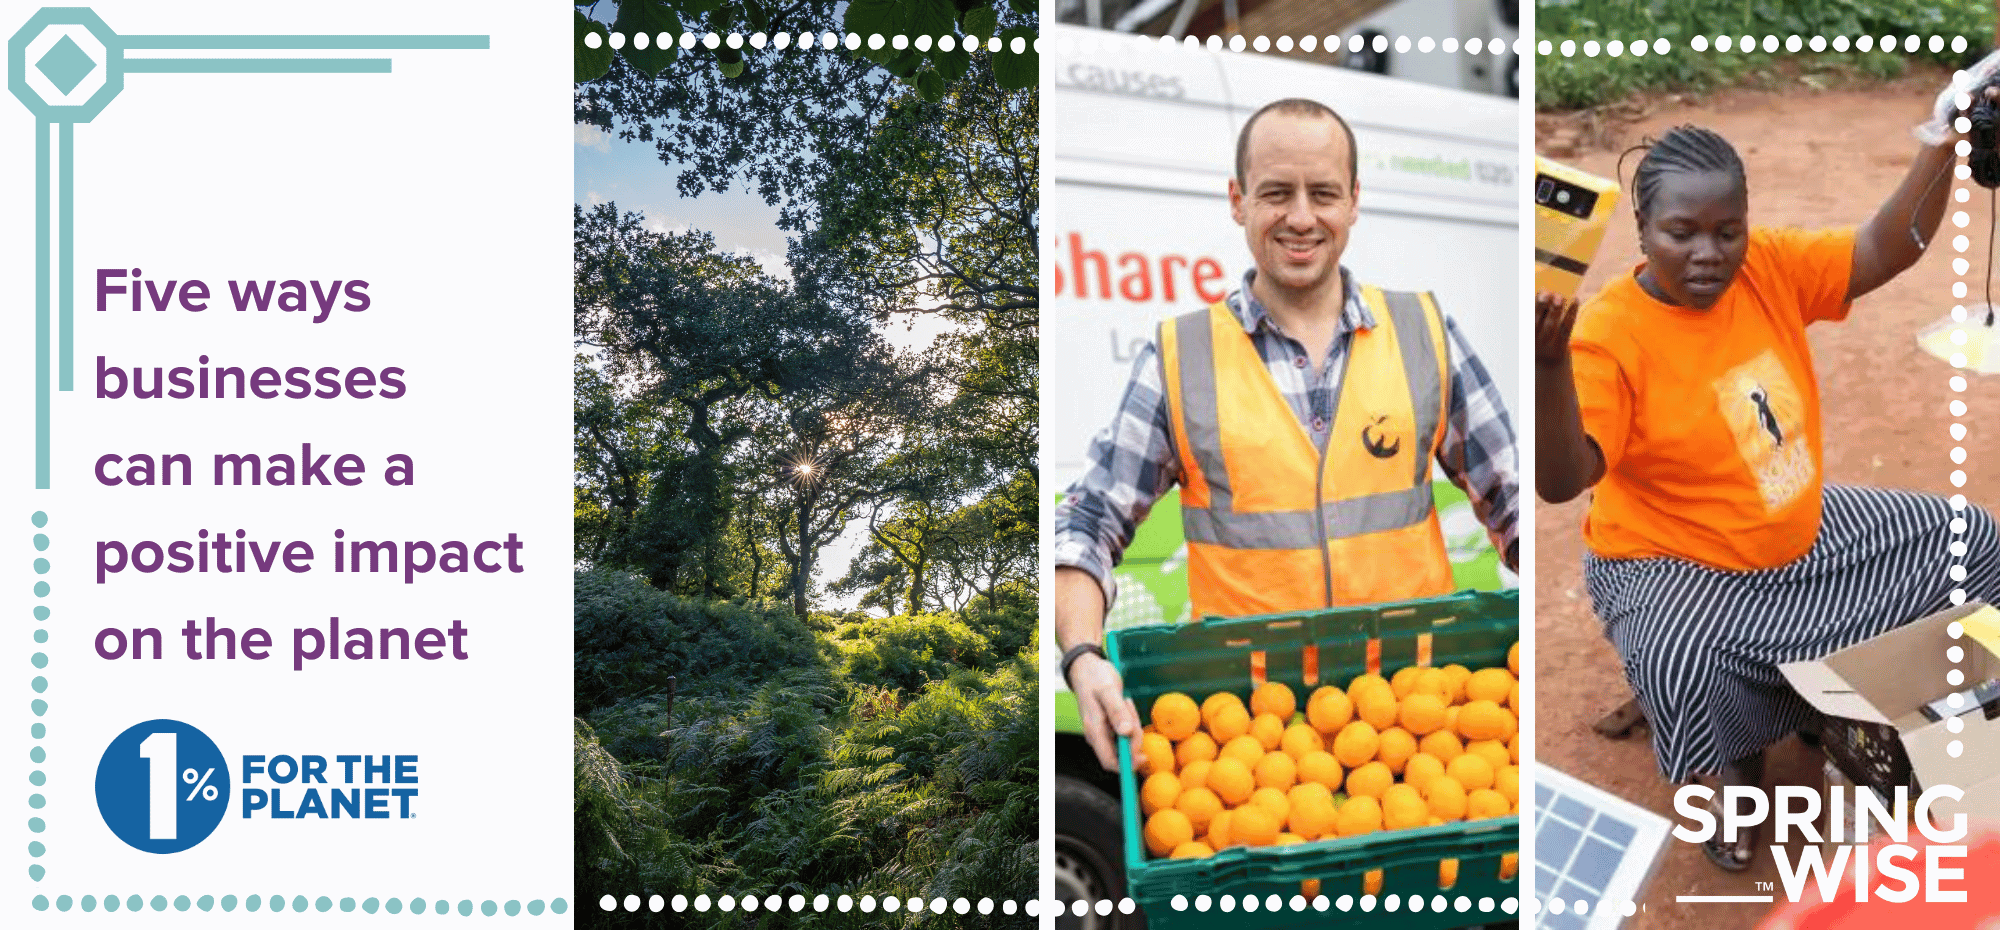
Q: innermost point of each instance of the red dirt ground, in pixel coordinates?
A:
(1814, 159)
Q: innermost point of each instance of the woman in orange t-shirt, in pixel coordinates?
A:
(1684, 393)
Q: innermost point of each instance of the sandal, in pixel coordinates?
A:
(1729, 857)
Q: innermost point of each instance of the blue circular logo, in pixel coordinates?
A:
(162, 786)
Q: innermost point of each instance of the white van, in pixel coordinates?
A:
(1138, 145)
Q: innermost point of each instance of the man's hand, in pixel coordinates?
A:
(1555, 317)
(1107, 713)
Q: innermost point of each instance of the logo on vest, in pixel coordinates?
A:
(1381, 447)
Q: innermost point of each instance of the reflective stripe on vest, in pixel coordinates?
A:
(1372, 479)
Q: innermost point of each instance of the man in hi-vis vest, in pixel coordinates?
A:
(1300, 417)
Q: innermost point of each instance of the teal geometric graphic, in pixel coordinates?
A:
(253, 903)
(65, 65)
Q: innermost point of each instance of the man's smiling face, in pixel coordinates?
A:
(1296, 199)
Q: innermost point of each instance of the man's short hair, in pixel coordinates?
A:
(1295, 106)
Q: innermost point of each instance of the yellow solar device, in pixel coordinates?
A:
(1572, 209)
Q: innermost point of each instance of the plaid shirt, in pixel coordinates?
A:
(1134, 461)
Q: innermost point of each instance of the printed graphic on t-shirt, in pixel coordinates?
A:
(1766, 415)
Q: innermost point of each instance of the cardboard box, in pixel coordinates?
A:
(1874, 694)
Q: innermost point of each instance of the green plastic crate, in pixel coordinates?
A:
(1473, 629)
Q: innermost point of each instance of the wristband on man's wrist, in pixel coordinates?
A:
(1076, 652)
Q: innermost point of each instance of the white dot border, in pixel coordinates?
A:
(1566, 48)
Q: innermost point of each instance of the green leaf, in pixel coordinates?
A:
(1017, 72)
(759, 19)
(874, 17)
(905, 63)
(649, 18)
(591, 63)
(1023, 7)
(930, 18)
(700, 6)
(732, 69)
(930, 85)
(951, 65)
(982, 22)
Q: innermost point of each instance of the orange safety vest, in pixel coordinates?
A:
(1274, 524)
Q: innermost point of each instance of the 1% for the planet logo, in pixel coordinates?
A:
(162, 786)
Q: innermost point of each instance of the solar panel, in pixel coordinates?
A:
(1590, 845)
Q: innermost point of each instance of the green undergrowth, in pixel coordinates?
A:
(874, 756)
(1576, 82)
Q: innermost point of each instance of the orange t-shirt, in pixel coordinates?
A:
(1709, 420)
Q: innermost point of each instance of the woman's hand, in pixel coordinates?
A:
(1945, 111)
(1555, 318)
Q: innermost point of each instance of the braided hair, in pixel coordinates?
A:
(1684, 150)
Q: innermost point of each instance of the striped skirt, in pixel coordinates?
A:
(1701, 647)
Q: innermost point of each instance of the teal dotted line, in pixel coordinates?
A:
(277, 903)
(38, 755)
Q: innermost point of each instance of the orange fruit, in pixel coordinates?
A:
(1329, 710)
(1300, 739)
(1245, 749)
(1312, 813)
(1176, 716)
(1404, 680)
(1421, 768)
(1378, 706)
(1509, 864)
(1371, 883)
(1321, 768)
(1369, 780)
(1471, 771)
(1274, 698)
(1274, 803)
(1252, 825)
(1166, 831)
(1364, 681)
(1446, 798)
(1215, 702)
(1483, 803)
(1200, 806)
(1193, 849)
(1358, 816)
(1514, 699)
(1456, 674)
(1434, 681)
(1489, 684)
(1288, 839)
(1451, 718)
(1485, 720)
(1276, 770)
(1155, 755)
(1403, 807)
(1514, 659)
(1161, 790)
(1356, 744)
(1269, 731)
(1447, 873)
(1395, 747)
(1230, 779)
(1230, 721)
(1514, 748)
(1218, 832)
(1507, 781)
(1196, 748)
(1309, 889)
(1194, 774)
(1422, 714)
(1492, 750)
(1442, 744)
